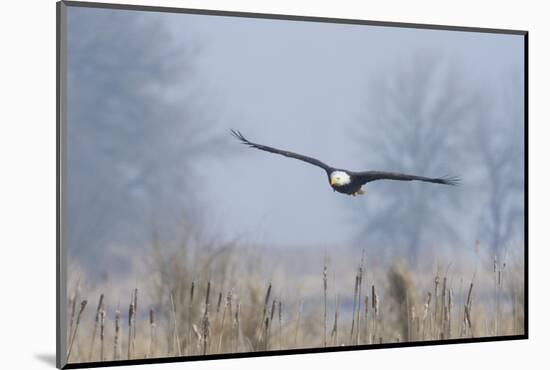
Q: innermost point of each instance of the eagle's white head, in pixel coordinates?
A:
(339, 178)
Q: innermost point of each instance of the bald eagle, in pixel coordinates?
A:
(345, 181)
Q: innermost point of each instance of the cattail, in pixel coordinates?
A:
(360, 275)
(237, 326)
(206, 322)
(82, 307)
(325, 304)
(207, 298)
(467, 317)
(436, 296)
(219, 303)
(469, 299)
(266, 336)
(443, 301)
(367, 317)
(273, 305)
(408, 317)
(498, 295)
(220, 296)
(99, 308)
(102, 335)
(117, 329)
(264, 313)
(426, 314)
(130, 321)
(280, 324)
(266, 301)
(190, 314)
(496, 279)
(134, 326)
(355, 291)
(334, 333)
(72, 302)
(192, 291)
(376, 308)
(152, 325)
(218, 307)
(229, 299)
(269, 323)
(413, 320)
(467, 322)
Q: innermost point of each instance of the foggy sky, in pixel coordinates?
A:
(301, 86)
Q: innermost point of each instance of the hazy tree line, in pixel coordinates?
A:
(135, 126)
(423, 116)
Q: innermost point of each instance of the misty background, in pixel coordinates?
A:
(152, 96)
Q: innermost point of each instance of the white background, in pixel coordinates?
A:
(27, 193)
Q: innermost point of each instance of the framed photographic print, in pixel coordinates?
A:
(234, 184)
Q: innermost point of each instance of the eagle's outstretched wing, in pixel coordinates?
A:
(269, 149)
(369, 176)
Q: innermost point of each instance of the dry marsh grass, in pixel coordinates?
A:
(221, 304)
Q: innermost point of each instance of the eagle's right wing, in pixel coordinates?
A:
(369, 176)
(269, 149)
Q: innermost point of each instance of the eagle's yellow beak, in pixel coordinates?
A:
(332, 181)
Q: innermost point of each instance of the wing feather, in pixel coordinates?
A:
(285, 153)
(369, 176)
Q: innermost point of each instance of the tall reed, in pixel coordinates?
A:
(152, 333)
(102, 335)
(190, 316)
(205, 322)
(117, 330)
(325, 305)
(96, 322)
(82, 307)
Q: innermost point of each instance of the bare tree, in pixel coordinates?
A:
(135, 129)
(502, 157)
(412, 115)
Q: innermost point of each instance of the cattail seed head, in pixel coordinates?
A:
(102, 323)
(219, 302)
(130, 314)
(82, 306)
